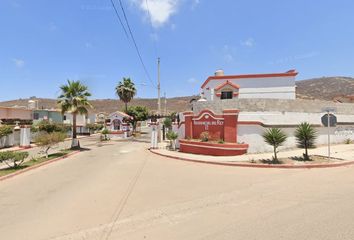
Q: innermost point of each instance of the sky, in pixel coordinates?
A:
(43, 43)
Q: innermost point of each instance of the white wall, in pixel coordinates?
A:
(252, 134)
(269, 87)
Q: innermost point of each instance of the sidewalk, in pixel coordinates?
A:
(342, 151)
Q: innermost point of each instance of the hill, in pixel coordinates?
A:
(176, 104)
(325, 88)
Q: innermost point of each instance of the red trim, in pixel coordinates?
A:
(291, 73)
(209, 112)
(187, 113)
(231, 111)
(213, 149)
(225, 84)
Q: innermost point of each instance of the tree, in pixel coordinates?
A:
(305, 136)
(49, 140)
(138, 113)
(5, 131)
(126, 91)
(168, 123)
(74, 99)
(274, 137)
(13, 159)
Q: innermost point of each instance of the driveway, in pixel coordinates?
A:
(121, 191)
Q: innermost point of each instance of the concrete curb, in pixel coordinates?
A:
(36, 166)
(256, 165)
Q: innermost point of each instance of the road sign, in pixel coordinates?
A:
(331, 118)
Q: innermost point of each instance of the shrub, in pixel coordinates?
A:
(204, 136)
(274, 137)
(94, 126)
(221, 141)
(305, 136)
(13, 159)
(50, 127)
(104, 133)
(49, 140)
(348, 141)
(5, 130)
(172, 136)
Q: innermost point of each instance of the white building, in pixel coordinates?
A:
(270, 85)
(116, 120)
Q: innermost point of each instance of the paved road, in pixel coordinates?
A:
(121, 191)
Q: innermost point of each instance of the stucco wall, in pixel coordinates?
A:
(273, 105)
(268, 87)
(252, 135)
(15, 113)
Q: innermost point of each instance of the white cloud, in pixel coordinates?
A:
(160, 10)
(18, 62)
(298, 57)
(248, 42)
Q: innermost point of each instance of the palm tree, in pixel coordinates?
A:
(275, 137)
(305, 136)
(126, 91)
(73, 99)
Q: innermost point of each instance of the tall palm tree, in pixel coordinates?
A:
(126, 91)
(305, 136)
(73, 99)
(274, 137)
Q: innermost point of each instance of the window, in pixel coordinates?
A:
(226, 95)
(35, 116)
(64, 118)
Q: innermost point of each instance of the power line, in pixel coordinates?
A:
(135, 45)
(120, 20)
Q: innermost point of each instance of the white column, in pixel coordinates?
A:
(25, 137)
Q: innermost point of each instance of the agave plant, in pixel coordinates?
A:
(305, 136)
(274, 137)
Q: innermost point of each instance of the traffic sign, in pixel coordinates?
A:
(332, 120)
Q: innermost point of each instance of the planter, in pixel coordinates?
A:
(213, 149)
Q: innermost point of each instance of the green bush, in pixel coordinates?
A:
(171, 135)
(13, 159)
(274, 137)
(104, 134)
(305, 136)
(5, 130)
(94, 126)
(50, 127)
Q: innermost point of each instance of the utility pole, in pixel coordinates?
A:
(165, 111)
(158, 87)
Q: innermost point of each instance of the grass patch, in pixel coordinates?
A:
(34, 161)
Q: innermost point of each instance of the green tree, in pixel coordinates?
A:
(274, 137)
(49, 140)
(126, 91)
(5, 130)
(74, 99)
(138, 113)
(168, 123)
(305, 136)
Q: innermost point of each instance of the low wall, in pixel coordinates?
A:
(269, 105)
(213, 149)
